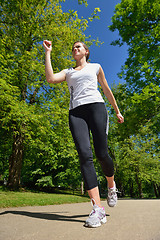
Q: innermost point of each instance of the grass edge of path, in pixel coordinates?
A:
(30, 198)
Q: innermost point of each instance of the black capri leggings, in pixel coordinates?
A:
(83, 119)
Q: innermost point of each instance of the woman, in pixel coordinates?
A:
(87, 113)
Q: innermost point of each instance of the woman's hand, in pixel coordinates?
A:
(120, 118)
(47, 45)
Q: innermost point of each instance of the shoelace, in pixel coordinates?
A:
(112, 192)
(100, 214)
(92, 212)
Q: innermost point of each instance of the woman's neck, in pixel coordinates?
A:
(81, 62)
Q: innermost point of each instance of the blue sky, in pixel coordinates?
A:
(110, 57)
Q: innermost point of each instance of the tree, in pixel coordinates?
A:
(139, 27)
(138, 109)
(30, 106)
(138, 23)
(134, 146)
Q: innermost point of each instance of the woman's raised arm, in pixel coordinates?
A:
(50, 76)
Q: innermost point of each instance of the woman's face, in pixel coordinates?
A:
(78, 51)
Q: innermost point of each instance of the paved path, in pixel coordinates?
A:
(129, 220)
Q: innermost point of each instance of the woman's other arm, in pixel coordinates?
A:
(108, 93)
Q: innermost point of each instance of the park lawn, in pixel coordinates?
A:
(28, 198)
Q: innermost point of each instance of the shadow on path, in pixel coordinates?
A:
(48, 216)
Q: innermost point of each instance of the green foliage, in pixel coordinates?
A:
(138, 23)
(83, 1)
(134, 145)
(31, 108)
(94, 14)
(45, 182)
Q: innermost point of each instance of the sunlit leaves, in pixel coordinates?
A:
(138, 23)
(135, 143)
(31, 107)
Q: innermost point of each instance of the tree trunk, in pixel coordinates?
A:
(131, 189)
(158, 187)
(82, 188)
(140, 189)
(155, 190)
(139, 183)
(15, 162)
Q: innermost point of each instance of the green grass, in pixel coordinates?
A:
(28, 198)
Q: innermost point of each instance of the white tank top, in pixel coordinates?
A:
(83, 85)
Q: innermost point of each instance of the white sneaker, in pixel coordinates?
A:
(112, 196)
(96, 217)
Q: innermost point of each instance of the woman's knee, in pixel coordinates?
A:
(85, 155)
(103, 156)
(106, 164)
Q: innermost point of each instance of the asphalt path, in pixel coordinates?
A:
(129, 220)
